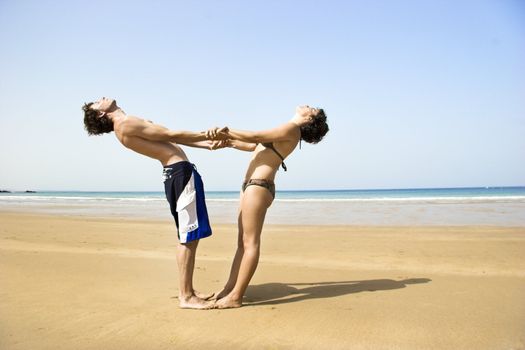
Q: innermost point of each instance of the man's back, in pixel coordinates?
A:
(164, 151)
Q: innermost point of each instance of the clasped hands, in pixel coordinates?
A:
(218, 137)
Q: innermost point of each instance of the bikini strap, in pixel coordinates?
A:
(270, 146)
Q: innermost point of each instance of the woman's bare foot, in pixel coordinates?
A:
(194, 302)
(222, 293)
(227, 302)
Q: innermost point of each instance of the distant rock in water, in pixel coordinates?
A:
(30, 191)
(5, 191)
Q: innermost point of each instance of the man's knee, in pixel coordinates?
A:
(189, 245)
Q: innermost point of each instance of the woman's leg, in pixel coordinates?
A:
(255, 202)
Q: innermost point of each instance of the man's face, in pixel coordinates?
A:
(104, 105)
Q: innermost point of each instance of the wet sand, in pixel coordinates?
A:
(101, 283)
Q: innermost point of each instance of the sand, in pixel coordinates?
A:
(91, 283)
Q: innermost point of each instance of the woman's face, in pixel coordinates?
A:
(306, 112)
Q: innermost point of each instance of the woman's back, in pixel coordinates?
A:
(265, 161)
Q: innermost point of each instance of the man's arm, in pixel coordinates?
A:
(153, 132)
(198, 144)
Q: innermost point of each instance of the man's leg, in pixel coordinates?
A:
(186, 261)
(236, 264)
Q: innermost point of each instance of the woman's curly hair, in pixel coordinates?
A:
(315, 131)
(93, 123)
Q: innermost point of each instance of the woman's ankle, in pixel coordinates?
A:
(235, 296)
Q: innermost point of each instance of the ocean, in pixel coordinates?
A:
(497, 206)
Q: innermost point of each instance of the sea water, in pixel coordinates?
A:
(500, 206)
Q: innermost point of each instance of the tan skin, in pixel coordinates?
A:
(162, 144)
(255, 200)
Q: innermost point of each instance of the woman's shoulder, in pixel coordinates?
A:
(292, 129)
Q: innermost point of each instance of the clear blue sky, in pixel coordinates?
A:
(417, 93)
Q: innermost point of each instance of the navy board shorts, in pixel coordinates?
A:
(185, 194)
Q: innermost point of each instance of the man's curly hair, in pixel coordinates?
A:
(93, 123)
(315, 131)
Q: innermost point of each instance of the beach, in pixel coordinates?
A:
(90, 282)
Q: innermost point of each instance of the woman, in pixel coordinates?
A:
(270, 148)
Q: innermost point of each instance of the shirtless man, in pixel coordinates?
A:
(183, 185)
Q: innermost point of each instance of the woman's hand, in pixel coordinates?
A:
(217, 133)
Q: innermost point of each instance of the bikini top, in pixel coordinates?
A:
(270, 146)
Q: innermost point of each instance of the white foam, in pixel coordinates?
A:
(28, 199)
(411, 199)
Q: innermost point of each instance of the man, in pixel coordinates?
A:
(182, 183)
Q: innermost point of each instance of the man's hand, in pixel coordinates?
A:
(218, 144)
(217, 133)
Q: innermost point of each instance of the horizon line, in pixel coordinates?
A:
(284, 190)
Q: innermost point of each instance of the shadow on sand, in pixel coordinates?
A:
(283, 293)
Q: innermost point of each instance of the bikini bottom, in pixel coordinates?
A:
(268, 184)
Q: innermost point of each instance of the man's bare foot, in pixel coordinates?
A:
(227, 303)
(203, 296)
(194, 302)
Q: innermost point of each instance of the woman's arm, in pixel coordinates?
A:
(241, 145)
(288, 131)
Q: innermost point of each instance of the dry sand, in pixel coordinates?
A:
(88, 283)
